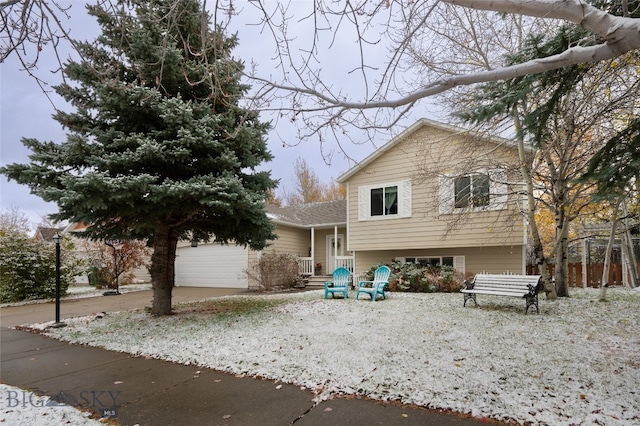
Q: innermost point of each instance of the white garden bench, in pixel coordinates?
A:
(524, 286)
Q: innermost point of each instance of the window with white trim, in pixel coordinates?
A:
(457, 262)
(431, 260)
(482, 190)
(384, 201)
(471, 191)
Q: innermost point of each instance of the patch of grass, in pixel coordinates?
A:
(231, 305)
(614, 293)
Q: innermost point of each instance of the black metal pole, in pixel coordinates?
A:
(113, 244)
(115, 267)
(57, 238)
(57, 282)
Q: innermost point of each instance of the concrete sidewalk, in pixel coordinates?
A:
(154, 392)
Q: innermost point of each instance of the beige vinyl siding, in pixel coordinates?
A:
(495, 260)
(252, 257)
(290, 240)
(421, 158)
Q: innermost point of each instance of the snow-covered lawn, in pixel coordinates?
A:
(577, 363)
(20, 407)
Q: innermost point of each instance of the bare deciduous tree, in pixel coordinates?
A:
(30, 27)
(309, 189)
(304, 91)
(13, 220)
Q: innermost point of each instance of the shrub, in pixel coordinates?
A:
(444, 278)
(28, 268)
(274, 272)
(131, 254)
(416, 278)
(410, 277)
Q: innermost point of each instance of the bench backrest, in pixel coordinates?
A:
(507, 281)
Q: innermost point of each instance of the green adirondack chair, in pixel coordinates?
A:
(376, 287)
(339, 284)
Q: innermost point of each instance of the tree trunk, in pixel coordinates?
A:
(561, 275)
(604, 282)
(627, 247)
(165, 242)
(538, 250)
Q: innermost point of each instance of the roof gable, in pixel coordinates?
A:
(46, 233)
(423, 122)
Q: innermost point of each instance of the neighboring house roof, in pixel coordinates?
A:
(46, 234)
(325, 213)
(412, 129)
(76, 227)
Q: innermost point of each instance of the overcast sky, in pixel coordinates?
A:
(26, 112)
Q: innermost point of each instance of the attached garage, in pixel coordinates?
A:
(212, 265)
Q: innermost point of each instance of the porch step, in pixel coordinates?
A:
(318, 280)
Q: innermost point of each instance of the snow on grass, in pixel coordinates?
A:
(578, 362)
(20, 407)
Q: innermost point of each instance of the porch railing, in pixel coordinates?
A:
(344, 262)
(306, 265)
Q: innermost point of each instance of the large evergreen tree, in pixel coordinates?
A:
(158, 147)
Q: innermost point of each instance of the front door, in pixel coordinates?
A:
(334, 250)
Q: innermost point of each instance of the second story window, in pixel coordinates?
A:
(390, 200)
(384, 201)
(471, 191)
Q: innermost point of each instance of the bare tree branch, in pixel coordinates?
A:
(305, 95)
(620, 34)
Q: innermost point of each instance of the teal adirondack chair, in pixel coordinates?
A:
(376, 287)
(339, 284)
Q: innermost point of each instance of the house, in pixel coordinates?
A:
(46, 234)
(84, 251)
(437, 194)
(314, 232)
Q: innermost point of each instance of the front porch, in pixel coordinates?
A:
(327, 251)
(308, 268)
(317, 279)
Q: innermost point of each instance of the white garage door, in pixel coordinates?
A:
(211, 265)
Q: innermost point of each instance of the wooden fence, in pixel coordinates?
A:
(594, 273)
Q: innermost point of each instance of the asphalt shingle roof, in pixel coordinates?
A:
(311, 214)
(46, 234)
